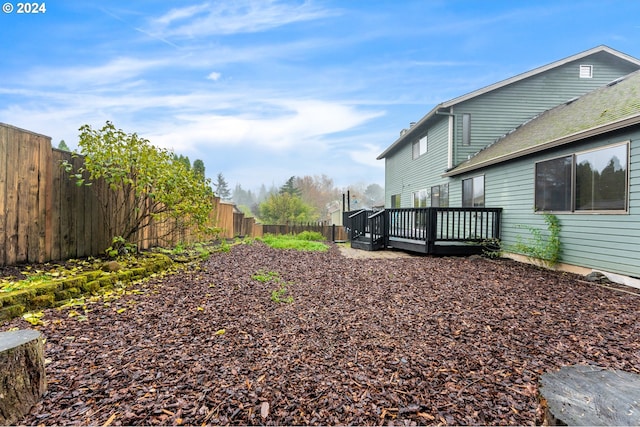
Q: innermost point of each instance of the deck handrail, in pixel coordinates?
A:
(427, 225)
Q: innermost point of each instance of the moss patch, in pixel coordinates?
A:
(53, 292)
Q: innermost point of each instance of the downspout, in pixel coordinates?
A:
(450, 145)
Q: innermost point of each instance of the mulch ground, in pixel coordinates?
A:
(404, 341)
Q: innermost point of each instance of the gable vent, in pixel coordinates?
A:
(586, 71)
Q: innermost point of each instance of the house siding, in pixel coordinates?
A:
(500, 111)
(606, 242)
(405, 175)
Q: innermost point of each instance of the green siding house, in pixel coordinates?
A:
(562, 138)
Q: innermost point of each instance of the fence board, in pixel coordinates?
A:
(54, 213)
(67, 223)
(33, 199)
(4, 141)
(45, 177)
(20, 229)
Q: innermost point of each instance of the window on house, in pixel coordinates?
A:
(601, 179)
(553, 184)
(586, 71)
(473, 192)
(395, 200)
(440, 196)
(595, 180)
(420, 199)
(466, 129)
(420, 147)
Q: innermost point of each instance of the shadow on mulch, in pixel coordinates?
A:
(406, 341)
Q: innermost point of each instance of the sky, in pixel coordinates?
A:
(265, 90)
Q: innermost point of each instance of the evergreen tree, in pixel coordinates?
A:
(242, 197)
(185, 161)
(222, 188)
(63, 146)
(198, 168)
(289, 187)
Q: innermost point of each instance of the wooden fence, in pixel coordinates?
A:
(45, 216)
(330, 232)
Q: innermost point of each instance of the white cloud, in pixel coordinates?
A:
(231, 17)
(113, 72)
(214, 76)
(366, 154)
(288, 124)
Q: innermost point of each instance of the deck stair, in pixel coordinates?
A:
(435, 231)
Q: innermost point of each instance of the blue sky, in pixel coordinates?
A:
(264, 90)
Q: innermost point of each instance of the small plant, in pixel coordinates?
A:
(491, 248)
(248, 241)
(119, 247)
(224, 246)
(542, 246)
(265, 276)
(178, 249)
(278, 295)
(203, 253)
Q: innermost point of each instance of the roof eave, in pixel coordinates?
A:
(542, 69)
(502, 83)
(587, 133)
(409, 132)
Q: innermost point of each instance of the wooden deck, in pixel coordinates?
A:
(433, 231)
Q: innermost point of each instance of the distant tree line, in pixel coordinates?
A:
(302, 199)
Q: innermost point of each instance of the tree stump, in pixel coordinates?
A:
(22, 375)
(582, 395)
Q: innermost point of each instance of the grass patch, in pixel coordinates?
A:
(305, 241)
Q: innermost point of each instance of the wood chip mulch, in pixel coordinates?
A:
(407, 341)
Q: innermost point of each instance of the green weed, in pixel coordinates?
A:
(543, 246)
(290, 241)
(277, 295)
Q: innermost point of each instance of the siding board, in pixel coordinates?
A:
(606, 242)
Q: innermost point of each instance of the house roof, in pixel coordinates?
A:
(503, 83)
(611, 107)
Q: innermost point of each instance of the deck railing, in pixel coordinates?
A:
(465, 224)
(428, 225)
(378, 229)
(356, 223)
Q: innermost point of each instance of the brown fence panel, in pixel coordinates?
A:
(225, 220)
(23, 195)
(238, 223)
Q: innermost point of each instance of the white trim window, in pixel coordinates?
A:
(420, 147)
